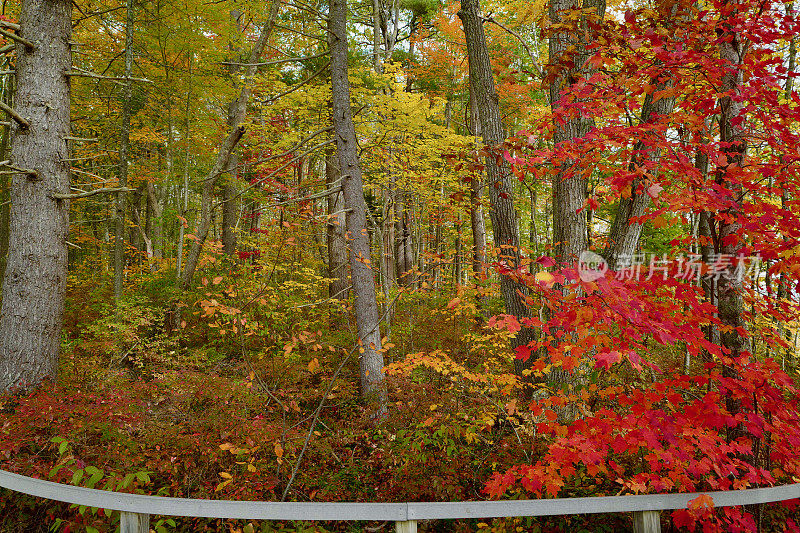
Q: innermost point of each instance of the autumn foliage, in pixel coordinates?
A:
(244, 385)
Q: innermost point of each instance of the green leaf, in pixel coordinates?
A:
(126, 481)
(90, 529)
(63, 447)
(77, 476)
(96, 475)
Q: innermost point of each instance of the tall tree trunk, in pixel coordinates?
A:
(184, 199)
(476, 219)
(157, 226)
(783, 331)
(338, 269)
(230, 207)
(732, 136)
(5, 180)
(119, 224)
(366, 305)
(35, 281)
(403, 248)
(235, 132)
(498, 179)
(626, 229)
(568, 55)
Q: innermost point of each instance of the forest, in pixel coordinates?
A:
(400, 251)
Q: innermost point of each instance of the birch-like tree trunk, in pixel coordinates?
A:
(230, 198)
(366, 305)
(35, 281)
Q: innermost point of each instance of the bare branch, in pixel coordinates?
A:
(9, 25)
(274, 62)
(520, 39)
(295, 87)
(86, 194)
(11, 35)
(86, 74)
(275, 172)
(7, 48)
(335, 190)
(32, 174)
(24, 124)
(83, 139)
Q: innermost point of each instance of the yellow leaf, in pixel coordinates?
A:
(225, 475)
(545, 278)
(313, 366)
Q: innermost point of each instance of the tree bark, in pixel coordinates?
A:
(230, 202)
(568, 57)
(498, 179)
(184, 200)
(730, 303)
(156, 229)
(403, 249)
(366, 306)
(125, 127)
(36, 275)
(338, 269)
(5, 179)
(235, 132)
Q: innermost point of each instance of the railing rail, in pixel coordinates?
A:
(137, 508)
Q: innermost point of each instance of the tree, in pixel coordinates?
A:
(35, 280)
(733, 49)
(568, 55)
(335, 231)
(366, 305)
(498, 177)
(124, 148)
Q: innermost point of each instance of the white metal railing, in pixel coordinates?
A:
(137, 508)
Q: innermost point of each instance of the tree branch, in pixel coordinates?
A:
(24, 124)
(295, 87)
(275, 62)
(86, 194)
(86, 74)
(9, 25)
(11, 35)
(520, 39)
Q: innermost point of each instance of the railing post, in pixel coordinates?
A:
(647, 522)
(134, 522)
(407, 526)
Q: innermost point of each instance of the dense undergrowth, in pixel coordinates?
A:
(213, 396)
